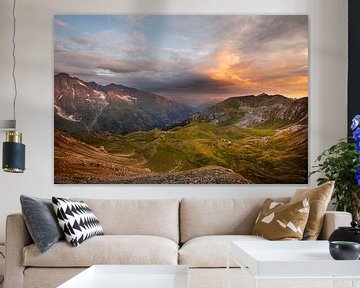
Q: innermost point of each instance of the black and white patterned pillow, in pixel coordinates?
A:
(77, 220)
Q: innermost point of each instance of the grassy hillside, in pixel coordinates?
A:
(261, 155)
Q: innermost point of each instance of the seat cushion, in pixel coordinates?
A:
(211, 251)
(157, 217)
(108, 249)
(205, 217)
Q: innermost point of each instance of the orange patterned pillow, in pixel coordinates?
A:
(319, 198)
(279, 221)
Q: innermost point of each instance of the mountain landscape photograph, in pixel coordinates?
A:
(180, 99)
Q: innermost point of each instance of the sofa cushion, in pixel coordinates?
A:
(201, 217)
(41, 221)
(211, 251)
(108, 249)
(279, 221)
(158, 217)
(319, 198)
(76, 220)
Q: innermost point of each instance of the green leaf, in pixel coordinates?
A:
(339, 163)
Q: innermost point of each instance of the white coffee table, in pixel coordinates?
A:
(292, 260)
(131, 276)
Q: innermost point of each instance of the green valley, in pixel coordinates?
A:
(260, 155)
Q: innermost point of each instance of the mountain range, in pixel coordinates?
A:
(134, 136)
(82, 107)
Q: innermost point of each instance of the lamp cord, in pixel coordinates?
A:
(2, 280)
(14, 60)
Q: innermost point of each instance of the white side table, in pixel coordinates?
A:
(131, 276)
(287, 261)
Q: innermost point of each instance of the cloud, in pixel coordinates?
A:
(193, 56)
(139, 36)
(61, 23)
(252, 34)
(275, 28)
(87, 43)
(90, 62)
(186, 83)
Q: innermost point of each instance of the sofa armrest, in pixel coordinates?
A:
(333, 220)
(17, 237)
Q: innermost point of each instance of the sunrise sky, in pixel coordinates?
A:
(192, 59)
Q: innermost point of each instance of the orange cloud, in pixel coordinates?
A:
(292, 86)
(226, 68)
(274, 73)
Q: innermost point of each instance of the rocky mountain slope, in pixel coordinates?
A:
(88, 107)
(256, 111)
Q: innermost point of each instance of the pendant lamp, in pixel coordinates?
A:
(13, 160)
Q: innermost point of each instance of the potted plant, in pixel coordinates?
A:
(341, 163)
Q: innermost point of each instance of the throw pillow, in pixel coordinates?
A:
(279, 221)
(41, 222)
(77, 220)
(319, 198)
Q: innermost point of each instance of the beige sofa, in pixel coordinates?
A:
(194, 232)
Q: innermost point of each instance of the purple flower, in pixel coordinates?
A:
(357, 147)
(356, 134)
(355, 122)
(357, 176)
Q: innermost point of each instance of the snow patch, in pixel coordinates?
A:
(101, 94)
(62, 114)
(82, 84)
(127, 98)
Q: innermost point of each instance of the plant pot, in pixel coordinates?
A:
(343, 250)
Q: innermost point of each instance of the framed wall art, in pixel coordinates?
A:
(181, 99)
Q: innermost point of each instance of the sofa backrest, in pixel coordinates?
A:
(200, 217)
(159, 217)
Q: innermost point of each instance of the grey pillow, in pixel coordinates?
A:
(41, 221)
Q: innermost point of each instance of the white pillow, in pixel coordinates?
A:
(76, 220)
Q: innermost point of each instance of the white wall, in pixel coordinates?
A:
(328, 60)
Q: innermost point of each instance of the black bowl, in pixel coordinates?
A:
(344, 250)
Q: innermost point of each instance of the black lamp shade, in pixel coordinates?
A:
(13, 157)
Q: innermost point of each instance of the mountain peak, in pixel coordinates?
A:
(63, 75)
(114, 108)
(113, 86)
(274, 96)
